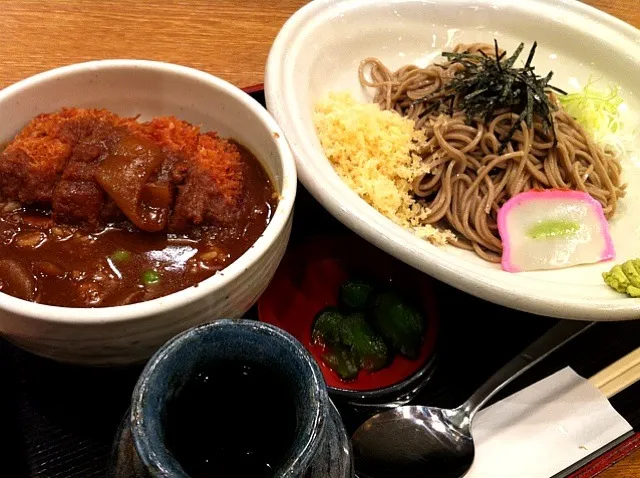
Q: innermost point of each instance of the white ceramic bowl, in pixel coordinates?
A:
(131, 333)
(319, 49)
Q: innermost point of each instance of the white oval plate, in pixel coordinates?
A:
(319, 49)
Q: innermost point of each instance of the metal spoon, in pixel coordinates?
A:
(416, 441)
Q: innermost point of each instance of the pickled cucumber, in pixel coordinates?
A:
(401, 325)
(367, 347)
(327, 327)
(340, 359)
(368, 328)
(356, 293)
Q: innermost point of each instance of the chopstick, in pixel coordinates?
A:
(619, 375)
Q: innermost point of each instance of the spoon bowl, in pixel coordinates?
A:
(408, 440)
(417, 441)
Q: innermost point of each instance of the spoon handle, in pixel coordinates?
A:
(557, 336)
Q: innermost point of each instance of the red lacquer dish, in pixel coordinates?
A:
(309, 279)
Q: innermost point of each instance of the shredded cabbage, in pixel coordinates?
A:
(599, 112)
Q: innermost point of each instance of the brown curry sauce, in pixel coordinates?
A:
(57, 262)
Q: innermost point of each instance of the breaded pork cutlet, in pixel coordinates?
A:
(77, 198)
(172, 134)
(212, 190)
(54, 160)
(207, 177)
(31, 164)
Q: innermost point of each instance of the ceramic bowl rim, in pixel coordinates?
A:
(271, 235)
(161, 460)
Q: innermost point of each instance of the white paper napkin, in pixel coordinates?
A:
(544, 429)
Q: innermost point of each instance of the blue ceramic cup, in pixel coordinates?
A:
(317, 447)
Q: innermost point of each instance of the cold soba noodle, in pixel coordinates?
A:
(488, 137)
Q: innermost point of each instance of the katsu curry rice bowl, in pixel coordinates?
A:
(137, 199)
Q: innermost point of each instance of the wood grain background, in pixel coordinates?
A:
(228, 38)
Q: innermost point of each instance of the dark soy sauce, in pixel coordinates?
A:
(231, 420)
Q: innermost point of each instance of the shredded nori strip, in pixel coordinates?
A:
(488, 84)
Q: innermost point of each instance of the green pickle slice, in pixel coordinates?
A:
(355, 294)
(327, 326)
(367, 347)
(400, 324)
(340, 359)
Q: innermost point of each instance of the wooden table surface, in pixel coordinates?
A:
(228, 38)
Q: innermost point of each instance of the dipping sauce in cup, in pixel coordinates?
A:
(232, 398)
(209, 441)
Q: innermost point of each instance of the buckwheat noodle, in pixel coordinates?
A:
(469, 178)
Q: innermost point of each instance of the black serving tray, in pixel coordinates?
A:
(58, 421)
